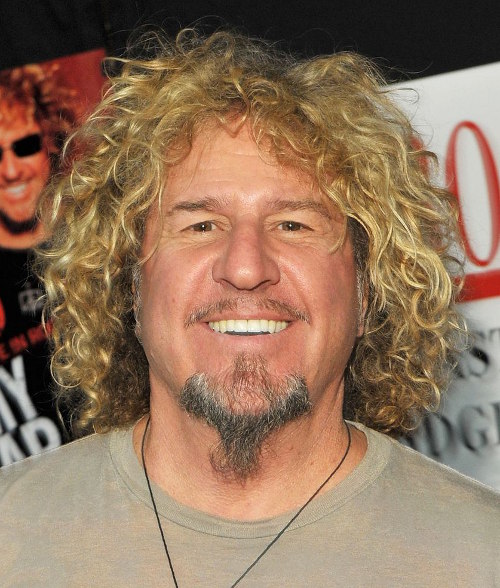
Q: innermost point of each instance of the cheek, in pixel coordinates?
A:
(41, 168)
(171, 284)
(329, 278)
(336, 300)
(157, 321)
(169, 292)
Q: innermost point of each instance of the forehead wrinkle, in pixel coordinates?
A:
(209, 203)
(305, 204)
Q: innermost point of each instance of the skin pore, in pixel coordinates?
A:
(21, 180)
(242, 244)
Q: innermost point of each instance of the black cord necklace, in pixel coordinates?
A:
(268, 547)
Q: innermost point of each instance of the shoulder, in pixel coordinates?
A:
(55, 503)
(438, 518)
(434, 489)
(38, 480)
(429, 476)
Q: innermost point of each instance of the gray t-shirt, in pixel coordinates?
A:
(82, 516)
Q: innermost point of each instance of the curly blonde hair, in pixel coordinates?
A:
(330, 117)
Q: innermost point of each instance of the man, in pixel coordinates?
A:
(36, 113)
(24, 169)
(286, 260)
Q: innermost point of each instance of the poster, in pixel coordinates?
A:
(458, 118)
(40, 105)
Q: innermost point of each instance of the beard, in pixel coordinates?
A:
(18, 227)
(244, 408)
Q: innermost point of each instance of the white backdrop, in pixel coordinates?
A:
(458, 116)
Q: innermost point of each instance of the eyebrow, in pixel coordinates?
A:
(209, 203)
(212, 204)
(306, 204)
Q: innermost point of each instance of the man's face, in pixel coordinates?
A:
(22, 176)
(244, 275)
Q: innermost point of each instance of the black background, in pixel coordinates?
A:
(408, 38)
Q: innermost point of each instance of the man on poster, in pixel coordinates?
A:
(248, 253)
(36, 114)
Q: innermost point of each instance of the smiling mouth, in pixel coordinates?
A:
(16, 191)
(248, 327)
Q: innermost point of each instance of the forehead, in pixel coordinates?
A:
(223, 165)
(16, 121)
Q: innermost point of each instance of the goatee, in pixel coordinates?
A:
(18, 227)
(245, 408)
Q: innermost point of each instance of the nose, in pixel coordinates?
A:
(246, 261)
(10, 167)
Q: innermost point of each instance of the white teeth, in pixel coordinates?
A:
(253, 326)
(240, 326)
(17, 189)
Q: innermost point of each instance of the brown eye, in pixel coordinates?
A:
(291, 226)
(203, 227)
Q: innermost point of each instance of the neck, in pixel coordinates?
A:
(293, 463)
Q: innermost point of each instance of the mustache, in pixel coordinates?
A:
(201, 312)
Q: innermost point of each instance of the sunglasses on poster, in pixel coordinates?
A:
(25, 146)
